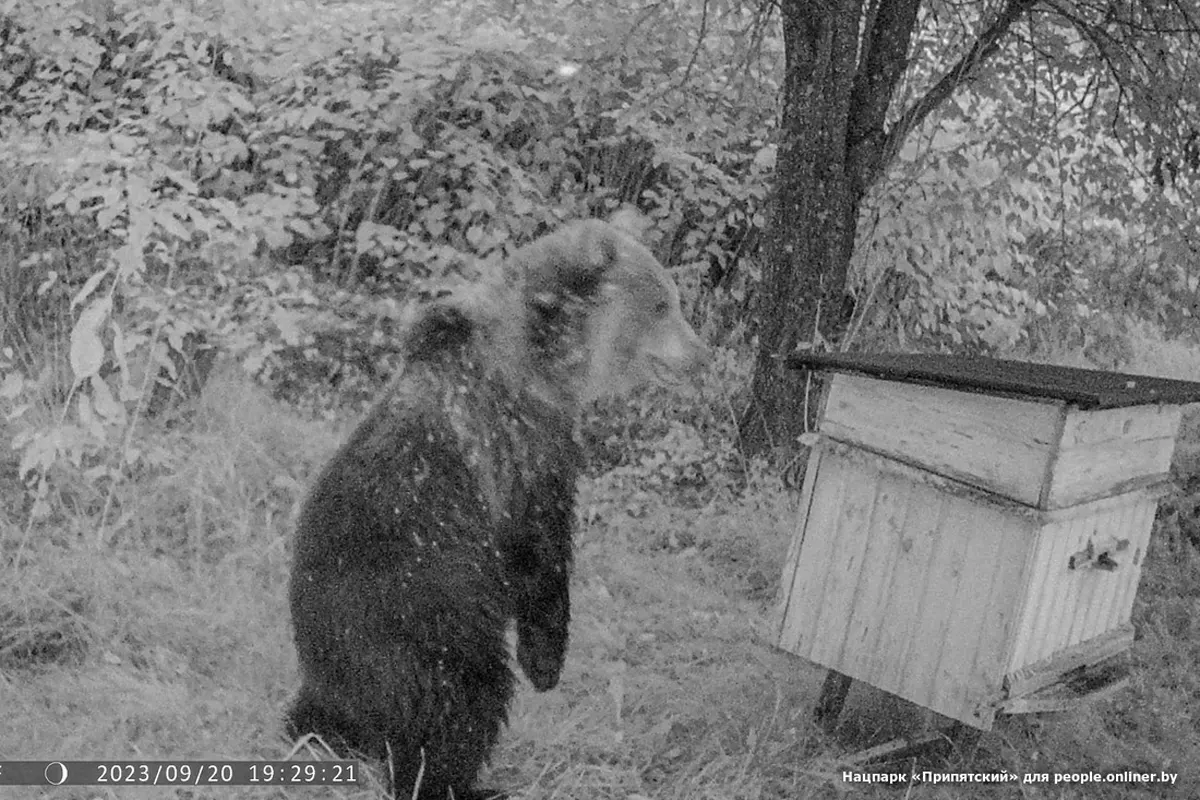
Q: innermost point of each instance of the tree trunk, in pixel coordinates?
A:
(814, 212)
(843, 61)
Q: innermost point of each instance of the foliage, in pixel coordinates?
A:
(937, 260)
(130, 114)
(676, 445)
(462, 148)
(1070, 79)
(187, 151)
(276, 185)
(996, 228)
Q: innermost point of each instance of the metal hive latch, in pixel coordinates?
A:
(1098, 554)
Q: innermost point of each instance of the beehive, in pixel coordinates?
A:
(973, 529)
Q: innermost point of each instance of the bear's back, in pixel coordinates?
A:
(452, 447)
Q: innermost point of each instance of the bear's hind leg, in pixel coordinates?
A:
(309, 715)
(470, 706)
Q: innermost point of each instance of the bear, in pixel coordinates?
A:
(449, 511)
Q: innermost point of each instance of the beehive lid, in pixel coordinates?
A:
(1085, 388)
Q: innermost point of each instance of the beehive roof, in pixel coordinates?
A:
(1085, 388)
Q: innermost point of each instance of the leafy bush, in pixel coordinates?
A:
(178, 182)
(163, 161)
(997, 228)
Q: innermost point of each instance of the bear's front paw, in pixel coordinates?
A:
(541, 659)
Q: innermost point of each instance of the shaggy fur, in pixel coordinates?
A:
(450, 509)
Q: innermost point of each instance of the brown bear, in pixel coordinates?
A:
(450, 509)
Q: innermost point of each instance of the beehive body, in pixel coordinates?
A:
(932, 558)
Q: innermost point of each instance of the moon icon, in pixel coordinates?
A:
(56, 773)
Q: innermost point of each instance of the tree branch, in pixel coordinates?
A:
(966, 70)
(884, 54)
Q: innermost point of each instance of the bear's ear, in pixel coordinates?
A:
(629, 220)
(583, 271)
(439, 328)
(572, 264)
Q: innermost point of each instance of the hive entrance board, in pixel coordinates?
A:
(972, 529)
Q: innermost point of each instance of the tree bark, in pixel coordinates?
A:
(814, 211)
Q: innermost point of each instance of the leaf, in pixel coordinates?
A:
(87, 417)
(276, 237)
(12, 385)
(289, 329)
(39, 454)
(764, 159)
(170, 224)
(46, 285)
(89, 286)
(108, 213)
(106, 405)
(302, 227)
(87, 350)
(126, 145)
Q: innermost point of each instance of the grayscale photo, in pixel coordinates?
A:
(556, 400)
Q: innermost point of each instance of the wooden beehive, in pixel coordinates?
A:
(972, 530)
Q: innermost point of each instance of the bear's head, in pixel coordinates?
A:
(583, 312)
(602, 313)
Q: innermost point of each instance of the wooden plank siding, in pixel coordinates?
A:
(1064, 607)
(1041, 453)
(905, 586)
(935, 591)
(1001, 444)
(1104, 452)
(933, 554)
